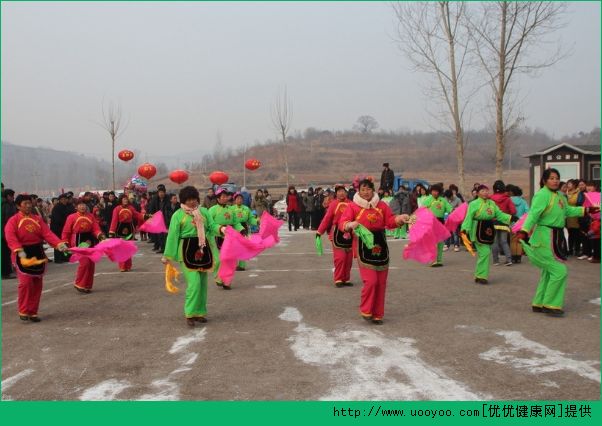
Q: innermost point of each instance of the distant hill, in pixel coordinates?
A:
(46, 171)
(315, 157)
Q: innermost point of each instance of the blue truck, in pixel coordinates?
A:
(408, 183)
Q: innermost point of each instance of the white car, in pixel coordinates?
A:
(280, 208)
(280, 205)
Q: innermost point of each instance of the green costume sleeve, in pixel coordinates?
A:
(501, 216)
(252, 219)
(447, 207)
(212, 211)
(235, 223)
(225, 216)
(172, 242)
(211, 227)
(468, 222)
(573, 211)
(538, 205)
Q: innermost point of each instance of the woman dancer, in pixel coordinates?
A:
(187, 243)
(82, 227)
(478, 227)
(123, 225)
(547, 248)
(376, 216)
(341, 241)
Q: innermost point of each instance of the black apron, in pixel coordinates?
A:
(124, 229)
(85, 237)
(485, 232)
(377, 257)
(193, 257)
(339, 240)
(559, 245)
(36, 250)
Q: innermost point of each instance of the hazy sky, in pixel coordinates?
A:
(184, 71)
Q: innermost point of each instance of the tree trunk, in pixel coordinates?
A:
(499, 100)
(113, 159)
(285, 159)
(455, 104)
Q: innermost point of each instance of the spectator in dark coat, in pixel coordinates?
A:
(9, 209)
(318, 211)
(387, 178)
(160, 203)
(57, 220)
(305, 213)
(107, 211)
(502, 232)
(174, 205)
(400, 204)
(209, 200)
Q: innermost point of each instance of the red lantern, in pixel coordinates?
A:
(178, 176)
(252, 164)
(125, 155)
(218, 178)
(147, 170)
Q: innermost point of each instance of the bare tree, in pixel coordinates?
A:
(433, 36)
(112, 123)
(218, 148)
(281, 111)
(365, 124)
(161, 169)
(511, 39)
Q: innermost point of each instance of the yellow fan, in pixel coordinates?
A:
(467, 243)
(171, 275)
(32, 261)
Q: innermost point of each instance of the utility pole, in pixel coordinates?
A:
(35, 176)
(244, 169)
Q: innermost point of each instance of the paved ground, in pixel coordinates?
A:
(285, 333)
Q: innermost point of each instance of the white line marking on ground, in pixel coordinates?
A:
(367, 365)
(167, 389)
(595, 301)
(253, 275)
(189, 359)
(266, 286)
(105, 391)
(183, 341)
(82, 373)
(181, 370)
(543, 359)
(9, 382)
